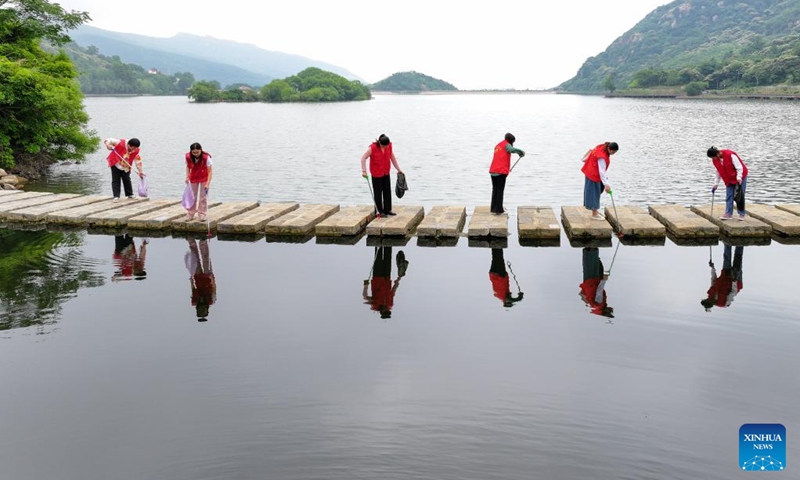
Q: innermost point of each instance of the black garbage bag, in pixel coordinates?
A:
(402, 264)
(400, 186)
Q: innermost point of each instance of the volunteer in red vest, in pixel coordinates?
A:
(595, 165)
(124, 154)
(733, 172)
(728, 284)
(593, 289)
(381, 158)
(201, 277)
(501, 286)
(383, 289)
(198, 176)
(499, 170)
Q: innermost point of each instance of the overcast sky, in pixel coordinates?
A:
(471, 44)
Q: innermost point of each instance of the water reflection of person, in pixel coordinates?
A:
(201, 277)
(383, 289)
(729, 282)
(501, 283)
(593, 288)
(128, 262)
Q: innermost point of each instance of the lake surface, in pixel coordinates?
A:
(322, 361)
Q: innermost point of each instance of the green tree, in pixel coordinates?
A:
(42, 120)
(204, 91)
(608, 83)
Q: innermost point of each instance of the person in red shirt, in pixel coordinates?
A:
(124, 155)
(198, 177)
(595, 165)
(499, 170)
(733, 172)
(201, 277)
(498, 275)
(383, 289)
(729, 282)
(129, 263)
(593, 289)
(381, 157)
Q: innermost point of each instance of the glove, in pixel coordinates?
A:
(366, 282)
(206, 190)
(713, 189)
(521, 154)
(711, 264)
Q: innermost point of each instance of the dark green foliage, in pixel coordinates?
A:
(412, 82)
(695, 88)
(42, 119)
(101, 75)
(702, 40)
(39, 271)
(314, 85)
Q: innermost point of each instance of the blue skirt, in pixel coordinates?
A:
(591, 194)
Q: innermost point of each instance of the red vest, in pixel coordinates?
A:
(501, 162)
(590, 167)
(120, 152)
(501, 286)
(589, 293)
(380, 161)
(204, 290)
(382, 295)
(198, 172)
(726, 169)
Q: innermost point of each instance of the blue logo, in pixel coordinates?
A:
(762, 447)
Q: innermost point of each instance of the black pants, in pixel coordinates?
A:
(382, 187)
(116, 176)
(498, 188)
(382, 266)
(498, 266)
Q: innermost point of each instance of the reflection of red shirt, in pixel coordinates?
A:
(501, 286)
(204, 288)
(124, 260)
(589, 293)
(721, 289)
(382, 293)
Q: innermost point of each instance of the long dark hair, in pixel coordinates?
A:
(383, 140)
(611, 147)
(196, 146)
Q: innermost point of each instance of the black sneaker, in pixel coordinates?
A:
(390, 213)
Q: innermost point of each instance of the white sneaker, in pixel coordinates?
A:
(116, 199)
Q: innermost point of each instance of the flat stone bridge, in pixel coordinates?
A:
(441, 225)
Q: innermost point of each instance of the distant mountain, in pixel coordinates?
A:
(412, 82)
(207, 58)
(687, 33)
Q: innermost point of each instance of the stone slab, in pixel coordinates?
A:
(443, 222)
(788, 207)
(635, 222)
(6, 193)
(344, 240)
(253, 221)
(693, 241)
(402, 224)
(746, 241)
(299, 222)
(437, 241)
(579, 224)
(297, 239)
(537, 223)
(750, 227)
(393, 241)
(32, 202)
(216, 214)
(118, 217)
(486, 224)
(20, 196)
(487, 242)
(347, 222)
(590, 242)
(76, 216)
(781, 221)
(682, 223)
(160, 219)
(540, 242)
(39, 212)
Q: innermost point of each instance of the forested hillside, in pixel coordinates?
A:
(715, 43)
(412, 82)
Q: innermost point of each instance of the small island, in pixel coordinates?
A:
(412, 82)
(312, 85)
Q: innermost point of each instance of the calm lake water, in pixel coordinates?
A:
(407, 362)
